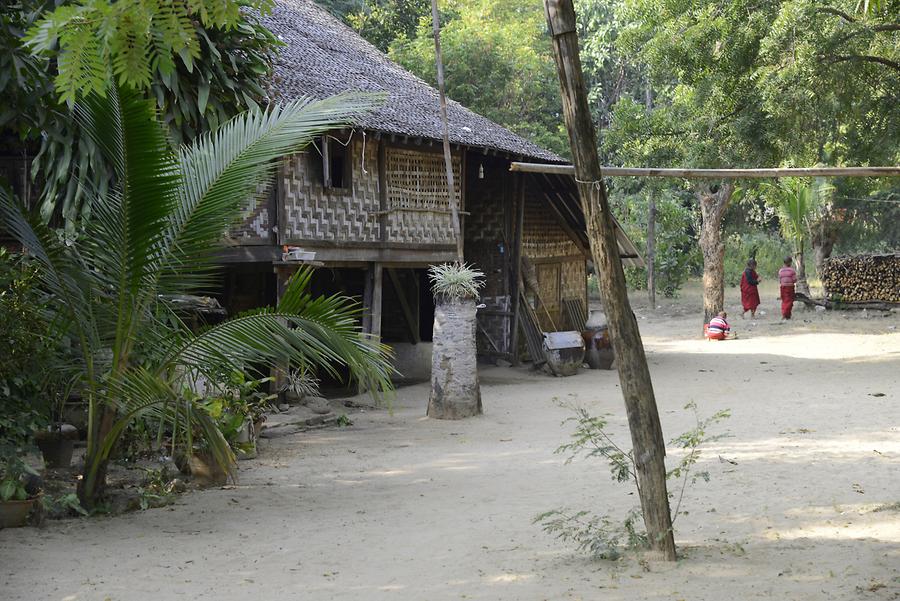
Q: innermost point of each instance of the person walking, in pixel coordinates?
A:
(749, 290)
(787, 277)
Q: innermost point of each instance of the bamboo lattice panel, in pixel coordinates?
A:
(542, 235)
(313, 212)
(417, 197)
(573, 277)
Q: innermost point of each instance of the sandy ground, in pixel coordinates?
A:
(402, 507)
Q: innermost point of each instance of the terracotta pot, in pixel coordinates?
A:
(205, 471)
(13, 514)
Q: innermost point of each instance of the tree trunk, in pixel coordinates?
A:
(455, 393)
(824, 236)
(651, 253)
(634, 375)
(93, 481)
(713, 202)
(800, 261)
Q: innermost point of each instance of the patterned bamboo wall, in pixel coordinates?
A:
(255, 226)
(487, 201)
(417, 209)
(313, 212)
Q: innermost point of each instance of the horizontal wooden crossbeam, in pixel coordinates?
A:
(715, 173)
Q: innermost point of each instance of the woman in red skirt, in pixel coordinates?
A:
(749, 290)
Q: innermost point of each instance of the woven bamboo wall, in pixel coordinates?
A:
(561, 270)
(418, 210)
(487, 202)
(254, 225)
(543, 236)
(573, 277)
(313, 212)
(418, 202)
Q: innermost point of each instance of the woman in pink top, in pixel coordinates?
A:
(787, 277)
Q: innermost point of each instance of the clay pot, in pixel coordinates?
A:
(205, 471)
(14, 514)
(56, 445)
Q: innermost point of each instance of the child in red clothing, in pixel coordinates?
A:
(749, 291)
(787, 277)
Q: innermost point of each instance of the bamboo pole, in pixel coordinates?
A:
(634, 373)
(448, 159)
(715, 173)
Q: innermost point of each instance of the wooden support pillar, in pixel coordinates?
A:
(634, 374)
(516, 271)
(375, 308)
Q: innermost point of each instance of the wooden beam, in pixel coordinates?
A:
(411, 320)
(634, 373)
(714, 173)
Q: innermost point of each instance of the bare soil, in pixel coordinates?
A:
(803, 501)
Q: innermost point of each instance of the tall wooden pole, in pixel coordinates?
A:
(651, 251)
(448, 159)
(634, 374)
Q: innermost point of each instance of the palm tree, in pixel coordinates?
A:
(155, 235)
(796, 201)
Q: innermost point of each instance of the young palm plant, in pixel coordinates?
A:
(796, 201)
(155, 235)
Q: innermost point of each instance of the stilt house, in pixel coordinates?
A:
(372, 203)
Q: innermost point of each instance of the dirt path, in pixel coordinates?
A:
(401, 507)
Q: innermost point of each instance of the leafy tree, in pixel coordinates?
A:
(131, 39)
(383, 21)
(155, 234)
(226, 76)
(497, 62)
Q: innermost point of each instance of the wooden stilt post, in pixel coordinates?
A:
(634, 374)
(516, 271)
(377, 289)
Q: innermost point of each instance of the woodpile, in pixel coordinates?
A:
(863, 278)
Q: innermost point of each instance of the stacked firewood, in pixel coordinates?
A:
(863, 278)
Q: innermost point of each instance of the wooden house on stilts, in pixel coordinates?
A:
(372, 203)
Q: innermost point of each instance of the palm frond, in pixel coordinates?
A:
(225, 168)
(322, 332)
(62, 275)
(126, 228)
(143, 394)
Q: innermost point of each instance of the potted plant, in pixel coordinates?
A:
(19, 489)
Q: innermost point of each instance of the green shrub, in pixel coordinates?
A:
(678, 255)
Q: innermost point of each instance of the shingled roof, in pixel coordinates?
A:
(323, 57)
